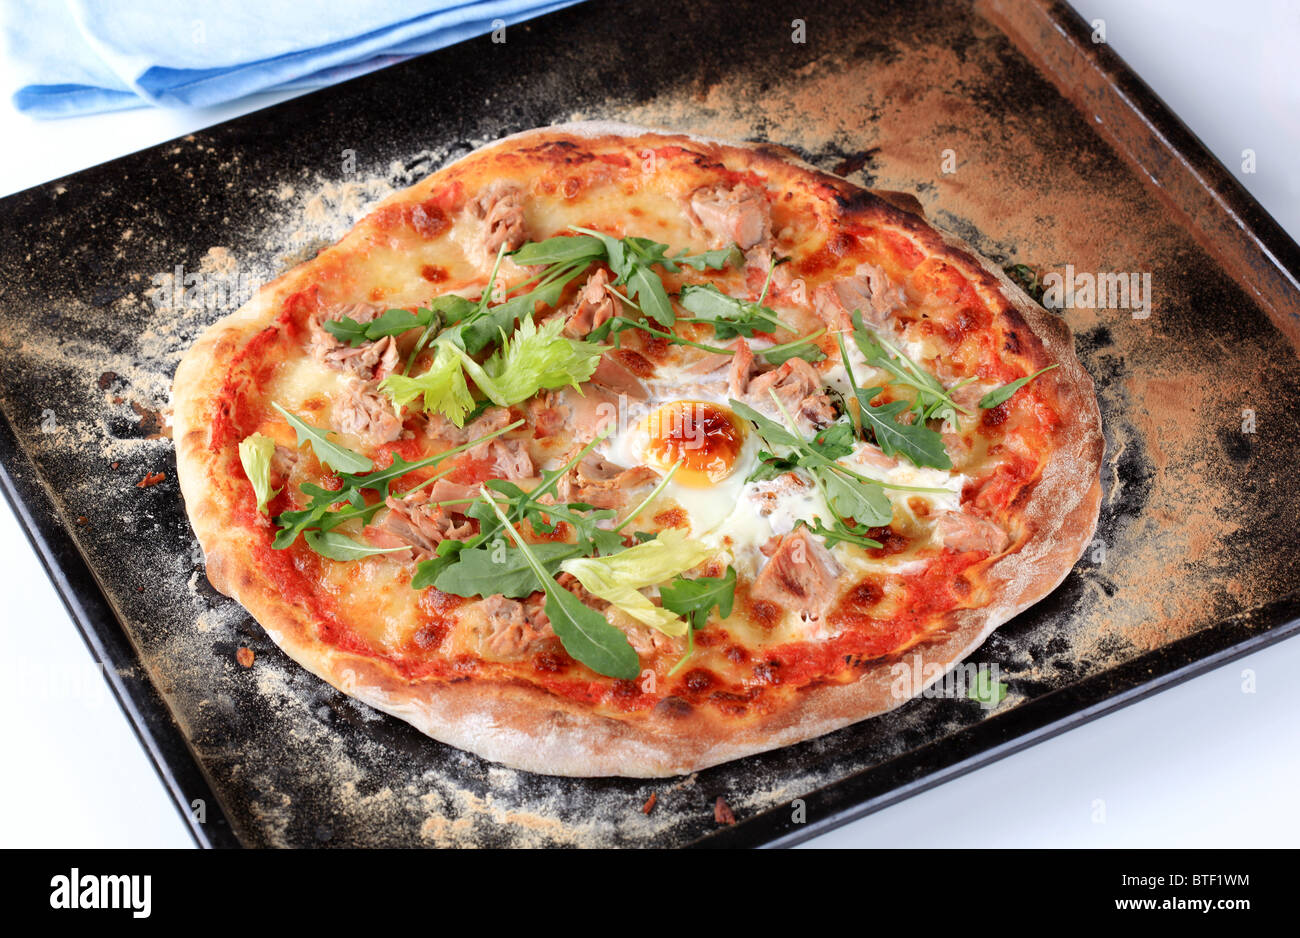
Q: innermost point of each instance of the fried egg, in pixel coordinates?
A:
(714, 447)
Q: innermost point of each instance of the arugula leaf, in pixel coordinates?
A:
(840, 532)
(346, 329)
(645, 286)
(729, 315)
(916, 441)
(861, 500)
(769, 429)
(444, 309)
(631, 258)
(446, 554)
(867, 505)
(336, 457)
(479, 331)
(520, 506)
(442, 385)
(497, 568)
(799, 348)
(932, 398)
(318, 515)
(561, 249)
(693, 599)
(709, 260)
(582, 631)
(255, 454)
(338, 546)
(999, 395)
(833, 442)
(315, 515)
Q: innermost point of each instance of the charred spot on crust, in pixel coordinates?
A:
(857, 200)
(734, 704)
(561, 151)
(674, 708)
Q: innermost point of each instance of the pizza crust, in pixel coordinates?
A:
(527, 728)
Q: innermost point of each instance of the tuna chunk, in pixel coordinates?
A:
(603, 484)
(439, 427)
(501, 207)
(794, 381)
(370, 361)
(818, 410)
(963, 532)
(743, 368)
(510, 458)
(419, 523)
(869, 291)
(592, 308)
(740, 214)
(611, 373)
(514, 627)
(799, 577)
(364, 412)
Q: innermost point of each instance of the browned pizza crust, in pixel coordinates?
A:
(528, 728)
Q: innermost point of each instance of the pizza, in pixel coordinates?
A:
(605, 451)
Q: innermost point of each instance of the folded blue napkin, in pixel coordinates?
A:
(73, 57)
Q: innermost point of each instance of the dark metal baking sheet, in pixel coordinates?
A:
(1195, 560)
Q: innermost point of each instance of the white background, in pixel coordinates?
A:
(1203, 764)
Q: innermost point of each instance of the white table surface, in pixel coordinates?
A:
(1203, 764)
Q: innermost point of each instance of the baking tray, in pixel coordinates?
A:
(1062, 157)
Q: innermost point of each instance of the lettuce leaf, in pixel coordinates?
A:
(617, 579)
(255, 454)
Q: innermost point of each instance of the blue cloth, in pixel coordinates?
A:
(75, 57)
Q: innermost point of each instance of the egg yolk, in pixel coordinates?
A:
(706, 438)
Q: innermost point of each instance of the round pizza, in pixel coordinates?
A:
(604, 451)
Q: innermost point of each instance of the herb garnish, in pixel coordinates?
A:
(999, 395)
(916, 441)
(582, 631)
(933, 400)
(320, 513)
(693, 599)
(332, 455)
